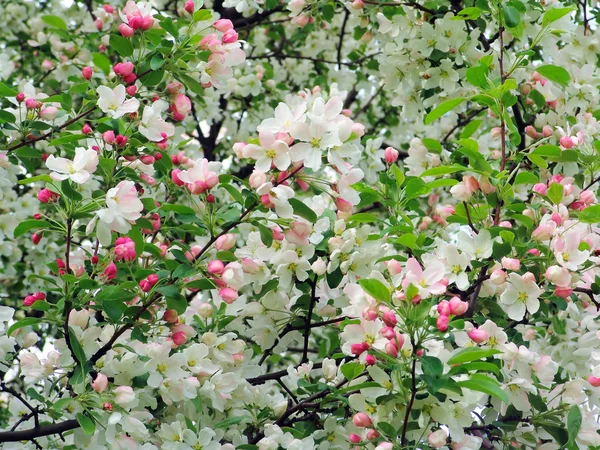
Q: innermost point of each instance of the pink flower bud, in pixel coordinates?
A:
(86, 129)
(131, 90)
(225, 242)
(594, 381)
(457, 306)
(228, 295)
(179, 338)
(29, 300)
(121, 140)
(47, 64)
(369, 314)
(587, 197)
(359, 349)
(215, 267)
(20, 97)
(230, 36)
(110, 272)
(547, 131)
(389, 318)
(205, 310)
(147, 23)
(49, 113)
(563, 292)
(358, 4)
(31, 103)
(46, 196)
(471, 183)
(87, 72)
(443, 308)
(170, 316)
(125, 30)
(442, 323)
(511, 263)
(372, 434)
(388, 332)
(498, 277)
(370, 360)
(391, 349)
(145, 285)
(390, 153)
(108, 8)
(108, 136)
(437, 439)
(505, 224)
(478, 335)
(223, 25)
(100, 383)
(189, 6)
(362, 420)
(354, 438)
(531, 132)
(36, 238)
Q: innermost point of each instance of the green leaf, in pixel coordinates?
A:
(226, 423)
(121, 45)
(6, 91)
(442, 109)
(591, 214)
(432, 366)
(114, 293)
(471, 354)
(554, 14)
(7, 117)
(328, 12)
(77, 348)
(442, 170)
(415, 187)
(266, 236)
(300, 209)
(363, 218)
(180, 209)
(86, 423)
(526, 178)
(136, 236)
(27, 321)
(30, 224)
(168, 25)
(574, 421)
(387, 429)
(554, 73)
(102, 62)
(485, 384)
(470, 13)
(202, 15)
(511, 15)
(203, 284)
(375, 289)
(556, 192)
(352, 370)
(55, 22)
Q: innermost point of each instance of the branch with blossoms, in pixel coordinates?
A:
(299, 224)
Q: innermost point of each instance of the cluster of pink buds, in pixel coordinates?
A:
(181, 104)
(125, 71)
(464, 190)
(124, 249)
(31, 299)
(110, 138)
(136, 20)
(454, 307)
(362, 420)
(148, 283)
(48, 113)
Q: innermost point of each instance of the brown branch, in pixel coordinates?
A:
(44, 430)
(308, 318)
(413, 394)
(51, 132)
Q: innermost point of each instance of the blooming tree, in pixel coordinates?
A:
(299, 224)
